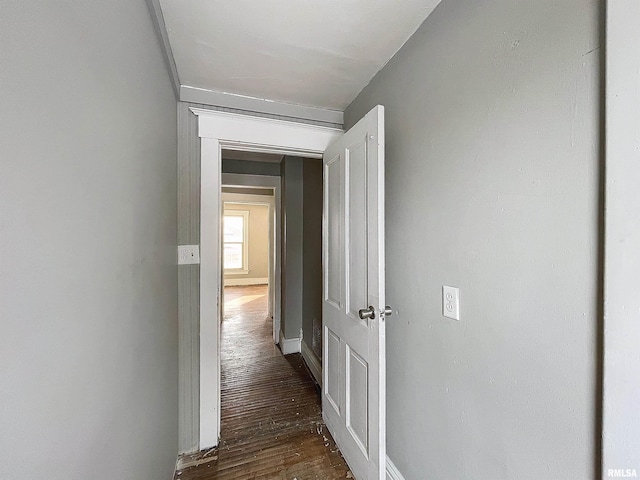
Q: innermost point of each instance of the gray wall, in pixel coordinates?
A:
(292, 261)
(621, 436)
(312, 255)
(302, 249)
(88, 350)
(248, 167)
(267, 192)
(188, 281)
(492, 181)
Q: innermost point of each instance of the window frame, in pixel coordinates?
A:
(244, 270)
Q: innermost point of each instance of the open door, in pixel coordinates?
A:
(353, 388)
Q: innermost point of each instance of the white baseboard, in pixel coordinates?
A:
(313, 362)
(392, 471)
(234, 282)
(289, 345)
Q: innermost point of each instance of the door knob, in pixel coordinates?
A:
(369, 313)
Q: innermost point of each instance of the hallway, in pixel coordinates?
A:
(271, 425)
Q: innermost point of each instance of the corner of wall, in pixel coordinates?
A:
(289, 345)
(312, 361)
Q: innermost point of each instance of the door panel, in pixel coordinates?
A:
(357, 403)
(335, 244)
(356, 169)
(353, 400)
(332, 369)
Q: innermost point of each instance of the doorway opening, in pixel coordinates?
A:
(292, 188)
(248, 253)
(270, 403)
(225, 131)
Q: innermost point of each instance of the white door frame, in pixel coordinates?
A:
(275, 237)
(219, 130)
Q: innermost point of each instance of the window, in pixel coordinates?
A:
(235, 232)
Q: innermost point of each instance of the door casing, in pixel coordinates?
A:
(219, 130)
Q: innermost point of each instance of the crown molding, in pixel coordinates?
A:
(260, 105)
(161, 30)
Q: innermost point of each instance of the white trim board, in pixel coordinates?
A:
(289, 345)
(264, 134)
(313, 362)
(234, 282)
(259, 105)
(219, 130)
(392, 471)
(247, 180)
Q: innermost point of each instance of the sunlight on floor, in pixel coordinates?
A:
(236, 302)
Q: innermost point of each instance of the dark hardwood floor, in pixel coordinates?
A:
(271, 423)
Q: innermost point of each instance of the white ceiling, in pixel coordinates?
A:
(319, 53)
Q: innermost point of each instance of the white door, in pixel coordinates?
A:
(353, 361)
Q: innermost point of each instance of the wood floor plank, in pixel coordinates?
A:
(271, 417)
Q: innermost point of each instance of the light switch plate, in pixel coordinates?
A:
(451, 302)
(188, 254)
